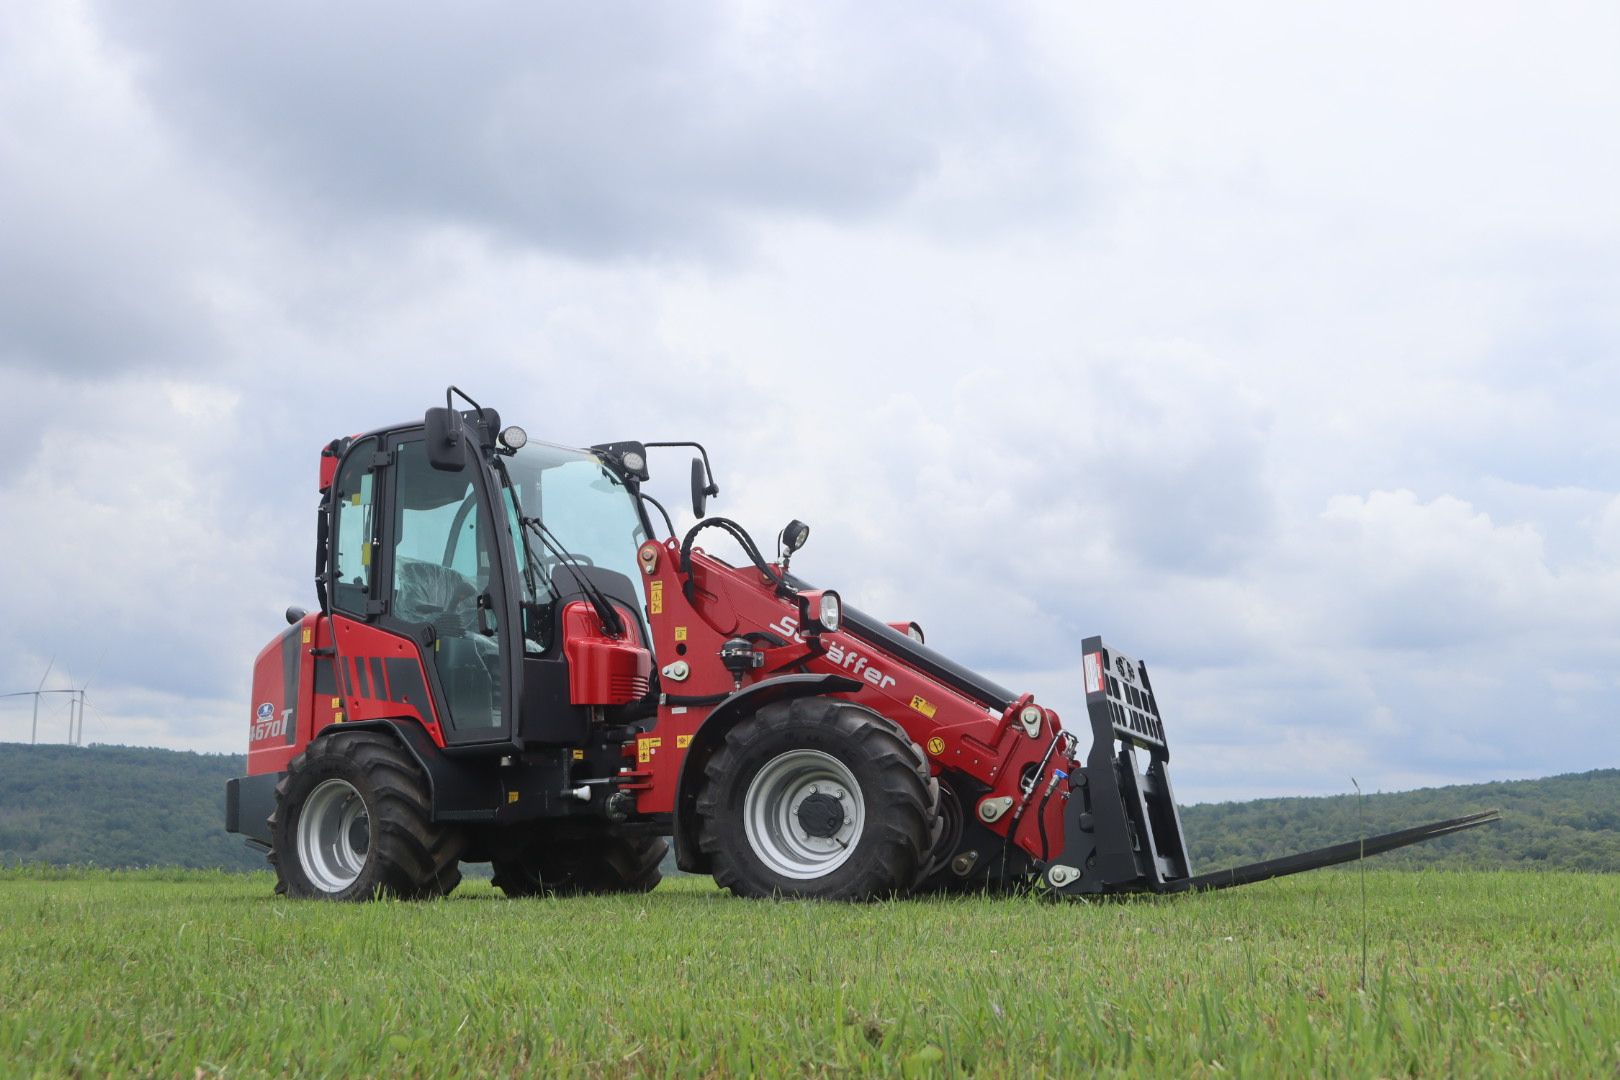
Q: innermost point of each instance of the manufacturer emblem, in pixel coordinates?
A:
(266, 711)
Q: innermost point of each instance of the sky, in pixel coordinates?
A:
(1278, 344)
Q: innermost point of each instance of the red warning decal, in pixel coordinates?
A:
(1095, 673)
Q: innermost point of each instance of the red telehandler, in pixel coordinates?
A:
(509, 665)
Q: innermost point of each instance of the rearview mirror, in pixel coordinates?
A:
(700, 487)
(446, 433)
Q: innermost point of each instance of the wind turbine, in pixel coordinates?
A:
(34, 735)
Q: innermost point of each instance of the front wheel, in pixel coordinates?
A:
(816, 797)
(352, 822)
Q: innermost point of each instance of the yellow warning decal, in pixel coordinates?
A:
(936, 746)
(354, 500)
(922, 705)
(655, 597)
(365, 554)
(337, 718)
(579, 755)
(645, 748)
(680, 633)
(306, 635)
(682, 741)
(336, 702)
(511, 797)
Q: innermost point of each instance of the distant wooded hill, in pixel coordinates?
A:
(1569, 822)
(119, 806)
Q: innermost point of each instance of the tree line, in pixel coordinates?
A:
(1568, 822)
(119, 806)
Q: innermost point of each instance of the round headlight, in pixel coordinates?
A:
(831, 613)
(914, 632)
(634, 462)
(514, 438)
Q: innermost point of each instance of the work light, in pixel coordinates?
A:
(832, 614)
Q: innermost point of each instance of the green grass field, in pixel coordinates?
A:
(200, 974)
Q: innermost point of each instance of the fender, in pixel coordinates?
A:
(708, 737)
(459, 790)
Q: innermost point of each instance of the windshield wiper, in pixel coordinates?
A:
(605, 611)
(530, 560)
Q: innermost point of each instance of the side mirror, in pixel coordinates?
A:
(446, 434)
(701, 488)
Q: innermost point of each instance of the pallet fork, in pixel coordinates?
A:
(1122, 831)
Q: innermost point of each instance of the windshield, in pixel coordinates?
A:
(588, 509)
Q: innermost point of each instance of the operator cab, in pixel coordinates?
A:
(472, 553)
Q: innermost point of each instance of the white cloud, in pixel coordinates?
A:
(116, 247)
(600, 129)
(1277, 346)
(134, 548)
(1424, 575)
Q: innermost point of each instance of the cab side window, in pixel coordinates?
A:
(352, 545)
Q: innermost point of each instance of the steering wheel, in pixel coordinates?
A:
(443, 598)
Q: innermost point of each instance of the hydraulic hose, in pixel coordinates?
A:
(739, 534)
(1040, 812)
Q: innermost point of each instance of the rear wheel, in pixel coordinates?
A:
(817, 797)
(352, 823)
(950, 833)
(997, 874)
(578, 867)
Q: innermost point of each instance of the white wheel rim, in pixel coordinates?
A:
(334, 835)
(775, 815)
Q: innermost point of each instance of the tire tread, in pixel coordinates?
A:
(905, 801)
(411, 857)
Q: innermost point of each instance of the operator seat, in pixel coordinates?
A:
(468, 662)
(426, 592)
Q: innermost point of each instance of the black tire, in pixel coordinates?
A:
(938, 849)
(949, 837)
(990, 880)
(892, 797)
(583, 867)
(369, 780)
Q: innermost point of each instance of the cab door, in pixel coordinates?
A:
(422, 590)
(448, 571)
